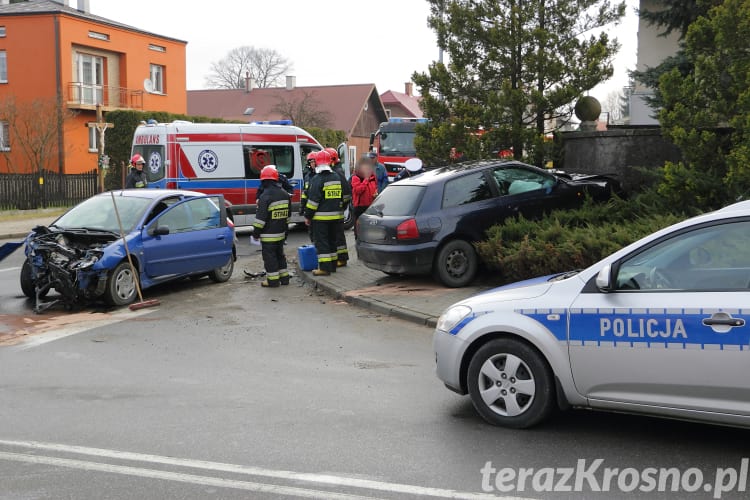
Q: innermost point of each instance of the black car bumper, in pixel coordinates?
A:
(397, 259)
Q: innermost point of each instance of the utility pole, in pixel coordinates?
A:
(101, 127)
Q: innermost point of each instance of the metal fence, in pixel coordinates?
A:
(50, 189)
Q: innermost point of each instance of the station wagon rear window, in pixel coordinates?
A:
(397, 200)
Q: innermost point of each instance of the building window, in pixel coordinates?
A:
(2, 31)
(157, 48)
(3, 67)
(157, 78)
(93, 140)
(90, 85)
(99, 36)
(4, 136)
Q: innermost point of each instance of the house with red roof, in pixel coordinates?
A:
(404, 105)
(355, 109)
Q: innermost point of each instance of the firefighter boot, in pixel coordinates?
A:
(320, 272)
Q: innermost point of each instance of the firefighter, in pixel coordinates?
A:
(270, 226)
(307, 175)
(137, 177)
(324, 212)
(342, 252)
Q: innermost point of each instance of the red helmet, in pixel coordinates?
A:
(310, 159)
(136, 159)
(322, 159)
(269, 172)
(334, 155)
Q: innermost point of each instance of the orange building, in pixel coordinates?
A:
(51, 51)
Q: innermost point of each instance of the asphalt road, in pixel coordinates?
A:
(234, 391)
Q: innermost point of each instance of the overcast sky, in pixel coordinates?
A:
(328, 41)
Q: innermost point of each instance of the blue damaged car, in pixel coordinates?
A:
(170, 234)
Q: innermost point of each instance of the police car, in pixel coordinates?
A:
(658, 328)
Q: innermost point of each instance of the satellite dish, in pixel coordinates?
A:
(148, 85)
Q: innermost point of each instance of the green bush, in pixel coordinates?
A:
(568, 239)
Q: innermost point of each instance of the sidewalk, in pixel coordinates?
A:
(417, 299)
(15, 225)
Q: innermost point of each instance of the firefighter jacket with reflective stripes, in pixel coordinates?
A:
(272, 214)
(325, 197)
(306, 179)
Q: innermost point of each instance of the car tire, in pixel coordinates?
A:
(223, 273)
(121, 286)
(456, 264)
(511, 384)
(27, 282)
(349, 218)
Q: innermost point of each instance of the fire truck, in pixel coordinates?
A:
(393, 143)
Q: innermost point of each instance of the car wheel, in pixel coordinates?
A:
(121, 287)
(510, 384)
(348, 217)
(27, 282)
(223, 273)
(456, 264)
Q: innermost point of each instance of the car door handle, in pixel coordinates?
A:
(723, 319)
(722, 322)
(220, 237)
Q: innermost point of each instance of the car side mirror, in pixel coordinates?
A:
(604, 279)
(159, 231)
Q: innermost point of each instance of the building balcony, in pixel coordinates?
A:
(87, 96)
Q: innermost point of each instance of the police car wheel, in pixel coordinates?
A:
(223, 273)
(511, 384)
(121, 289)
(456, 264)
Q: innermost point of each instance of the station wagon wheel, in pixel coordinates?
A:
(120, 289)
(456, 264)
(223, 273)
(510, 384)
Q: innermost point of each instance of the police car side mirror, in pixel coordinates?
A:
(604, 279)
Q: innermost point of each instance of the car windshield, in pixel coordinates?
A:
(397, 144)
(98, 214)
(397, 200)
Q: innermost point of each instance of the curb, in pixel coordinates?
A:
(13, 236)
(378, 306)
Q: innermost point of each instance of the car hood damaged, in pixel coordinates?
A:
(65, 260)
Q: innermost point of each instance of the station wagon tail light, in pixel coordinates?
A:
(407, 230)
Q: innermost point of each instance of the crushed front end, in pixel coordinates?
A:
(64, 261)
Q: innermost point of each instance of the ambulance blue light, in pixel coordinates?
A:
(396, 120)
(422, 120)
(273, 122)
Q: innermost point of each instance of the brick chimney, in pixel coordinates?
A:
(84, 6)
(291, 82)
(249, 82)
(408, 88)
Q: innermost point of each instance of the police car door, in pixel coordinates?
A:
(672, 331)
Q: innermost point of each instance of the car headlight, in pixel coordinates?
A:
(452, 317)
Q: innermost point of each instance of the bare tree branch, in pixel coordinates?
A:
(305, 112)
(266, 66)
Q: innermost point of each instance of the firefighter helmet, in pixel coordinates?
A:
(334, 155)
(136, 159)
(310, 159)
(322, 159)
(269, 173)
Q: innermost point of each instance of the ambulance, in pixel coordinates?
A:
(226, 159)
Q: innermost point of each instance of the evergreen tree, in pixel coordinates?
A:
(675, 17)
(515, 67)
(708, 115)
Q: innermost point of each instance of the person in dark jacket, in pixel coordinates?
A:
(324, 211)
(342, 252)
(412, 167)
(270, 226)
(137, 177)
(381, 174)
